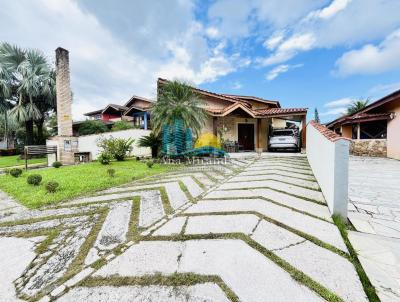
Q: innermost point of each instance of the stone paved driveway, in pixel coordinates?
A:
(256, 229)
(374, 210)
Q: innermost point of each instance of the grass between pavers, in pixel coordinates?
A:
(14, 160)
(296, 274)
(366, 283)
(275, 180)
(174, 280)
(76, 180)
(274, 202)
(274, 189)
(309, 237)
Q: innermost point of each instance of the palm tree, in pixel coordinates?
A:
(357, 106)
(178, 101)
(32, 84)
(5, 92)
(152, 141)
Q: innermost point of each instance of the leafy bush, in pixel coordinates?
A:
(121, 125)
(57, 164)
(92, 127)
(16, 172)
(104, 158)
(116, 147)
(52, 186)
(149, 163)
(152, 141)
(34, 179)
(7, 171)
(111, 172)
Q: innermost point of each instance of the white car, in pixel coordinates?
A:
(284, 139)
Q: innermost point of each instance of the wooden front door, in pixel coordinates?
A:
(246, 136)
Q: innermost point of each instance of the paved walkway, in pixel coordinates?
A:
(256, 229)
(374, 192)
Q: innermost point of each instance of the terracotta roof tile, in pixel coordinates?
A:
(279, 111)
(329, 134)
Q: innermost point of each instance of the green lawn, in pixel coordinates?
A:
(75, 180)
(13, 160)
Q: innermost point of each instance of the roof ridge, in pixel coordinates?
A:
(230, 98)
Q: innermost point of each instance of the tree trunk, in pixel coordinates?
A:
(6, 129)
(29, 132)
(154, 152)
(40, 136)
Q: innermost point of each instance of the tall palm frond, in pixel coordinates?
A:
(356, 106)
(177, 100)
(32, 111)
(18, 112)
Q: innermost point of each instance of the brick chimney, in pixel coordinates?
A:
(64, 95)
(67, 144)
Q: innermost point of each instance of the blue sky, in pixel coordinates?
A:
(304, 53)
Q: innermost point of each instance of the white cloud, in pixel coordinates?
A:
(329, 11)
(237, 85)
(283, 13)
(339, 103)
(383, 89)
(231, 17)
(272, 42)
(212, 32)
(275, 72)
(289, 48)
(371, 59)
(113, 57)
(337, 23)
(335, 111)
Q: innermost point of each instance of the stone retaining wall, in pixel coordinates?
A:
(369, 147)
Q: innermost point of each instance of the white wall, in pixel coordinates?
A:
(88, 143)
(329, 161)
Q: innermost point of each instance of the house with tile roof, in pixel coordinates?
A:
(246, 121)
(375, 129)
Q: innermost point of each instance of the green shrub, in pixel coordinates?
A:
(116, 147)
(152, 141)
(16, 172)
(92, 127)
(57, 164)
(52, 186)
(111, 172)
(104, 158)
(7, 171)
(149, 163)
(34, 179)
(121, 125)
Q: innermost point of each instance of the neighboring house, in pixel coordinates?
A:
(374, 130)
(244, 120)
(135, 111)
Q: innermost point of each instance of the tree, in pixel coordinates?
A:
(316, 116)
(31, 82)
(152, 141)
(121, 125)
(178, 101)
(92, 127)
(356, 106)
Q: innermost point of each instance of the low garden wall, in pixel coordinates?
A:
(328, 155)
(369, 147)
(88, 143)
